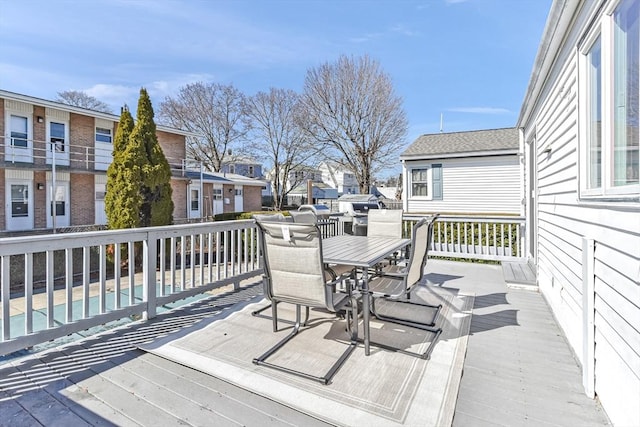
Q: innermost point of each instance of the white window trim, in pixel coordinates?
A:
(22, 153)
(429, 169)
(604, 29)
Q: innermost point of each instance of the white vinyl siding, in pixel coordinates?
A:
(565, 218)
(482, 185)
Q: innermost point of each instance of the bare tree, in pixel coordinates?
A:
(280, 136)
(352, 107)
(214, 111)
(81, 99)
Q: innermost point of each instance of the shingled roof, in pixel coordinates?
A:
(477, 141)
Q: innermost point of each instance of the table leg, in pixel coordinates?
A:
(365, 309)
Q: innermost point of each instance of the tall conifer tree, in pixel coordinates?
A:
(124, 175)
(157, 205)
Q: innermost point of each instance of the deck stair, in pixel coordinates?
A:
(520, 275)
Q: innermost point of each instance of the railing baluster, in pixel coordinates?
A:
(50, 289)
(132, 273)
(102, 299)
(163, 267)
(183, 263)
(5, 286)
(86, 281)
(192, 261)
(68, 258)
(202, 258)
(173, 264)
(28, 293)
(116, 277)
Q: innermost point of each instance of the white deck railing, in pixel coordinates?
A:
(55, 285)
(65, 283)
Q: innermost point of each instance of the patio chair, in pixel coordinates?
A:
(397, 282)
(308, 217)
(279, 217)
(304, 217)
(294, 273)
(385, 223)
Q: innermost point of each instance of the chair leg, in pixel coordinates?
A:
(326, 378)
(274, 311)
(428, 326)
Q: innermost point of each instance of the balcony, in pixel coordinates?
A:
(94, 343)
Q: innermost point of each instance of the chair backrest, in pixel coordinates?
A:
(269, 217)
(294, 271)
(304, 217)
(420, 241)
(384, 223)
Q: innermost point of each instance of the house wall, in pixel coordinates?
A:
(82, 199)
(252, 198)
(40, 200)
(564, 223)
(179, 196)
(81, 138)
(174, 148)
(472, 185)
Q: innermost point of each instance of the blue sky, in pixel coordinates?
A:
(469, 60)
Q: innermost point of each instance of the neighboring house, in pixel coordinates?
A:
(336, 177)
(319, 190)
(243, 166)
(30, 128)
(579, 124)
(476, 172)
(210, 194)
(248, 167)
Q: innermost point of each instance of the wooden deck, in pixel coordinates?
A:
(518, 370)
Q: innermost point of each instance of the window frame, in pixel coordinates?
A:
(217, 193)
(603, 31)
(428, 182)
(11, 131)
(102, 133)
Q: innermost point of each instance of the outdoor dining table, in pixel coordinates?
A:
(361, 252)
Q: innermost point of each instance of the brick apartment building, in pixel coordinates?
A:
(53, 152)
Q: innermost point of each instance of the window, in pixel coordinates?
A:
(60, 205)
(19, 131)
(19, 201)
(217, 194)
(232, 168)
(594, 76)
(626, 58)
(611, 65)
(103, 135)
(57, 135)
(250, 169)
(195, 199)
(419, 182)
(238, 191)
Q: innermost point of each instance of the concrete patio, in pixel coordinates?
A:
(518, 369)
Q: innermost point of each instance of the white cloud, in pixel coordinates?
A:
(480, 110)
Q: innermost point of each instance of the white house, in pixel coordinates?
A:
(336, 177)
(579, 132)
(475, 172)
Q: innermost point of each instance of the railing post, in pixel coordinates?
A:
(149, 265)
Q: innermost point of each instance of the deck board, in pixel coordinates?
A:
(518, 370)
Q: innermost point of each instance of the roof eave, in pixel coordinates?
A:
(83, 111)
(559, 19)
(506, 152)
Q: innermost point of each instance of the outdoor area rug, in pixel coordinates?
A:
(386, 388)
